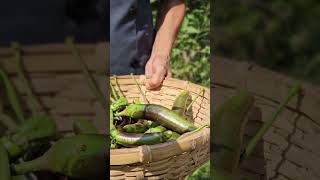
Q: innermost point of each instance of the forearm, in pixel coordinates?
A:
(169, 21)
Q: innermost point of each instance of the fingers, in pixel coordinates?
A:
(156, 78)
(148, 69)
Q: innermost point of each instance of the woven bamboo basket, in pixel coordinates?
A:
(170, 160)
(290, 149)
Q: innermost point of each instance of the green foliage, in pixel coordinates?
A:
(190, 58)
(281, 35)
(201, 173)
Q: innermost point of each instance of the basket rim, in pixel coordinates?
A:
(169, 82)
(152, 153)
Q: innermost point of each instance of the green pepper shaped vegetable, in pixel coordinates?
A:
(83, 126)
(180, 103)
(227, 133)
(80, 156)
(40, 127)
(5, 173)
(135, 128)
(119, 104)
(173, 135)
(156, 129)
(12, 95)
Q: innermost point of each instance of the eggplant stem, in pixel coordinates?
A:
(90, 80)
(113, 91)
(35, 103)
(12, 96)
(112, 99)
(293, 91)
(118, 86)
(194, 100)
(28, 176)
(140, 90)
(29, 166)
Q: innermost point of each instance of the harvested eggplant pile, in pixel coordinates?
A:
(31, 147)
(138, 124)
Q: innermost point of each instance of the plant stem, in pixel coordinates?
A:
(294, 90)
(142, 94)
(35, 104)
(194, 100)
(117, 85)
(90, 80)
(113, 91)
(30, 166)
(12, 96)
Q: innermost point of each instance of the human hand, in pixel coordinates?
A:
(157, 68)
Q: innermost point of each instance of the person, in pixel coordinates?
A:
(39, 22)
(139, 47)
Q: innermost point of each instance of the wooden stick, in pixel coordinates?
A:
(198, 95)
(12, 96)
(113, 92)
(143, 95)
(117, 85)
(294, 90)
(90, 80)
(35, 103)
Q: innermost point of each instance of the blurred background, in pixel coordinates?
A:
(50, 66)
(38, 22)
(190, 58)
(280, 35)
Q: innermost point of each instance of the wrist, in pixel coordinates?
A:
(161, 59)
(162, 49)
(161, 55)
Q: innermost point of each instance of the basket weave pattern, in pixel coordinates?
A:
(170, 160)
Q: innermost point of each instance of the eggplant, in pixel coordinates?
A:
(79, 156)
(154, 112)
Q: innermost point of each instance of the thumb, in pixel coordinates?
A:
(156, 78)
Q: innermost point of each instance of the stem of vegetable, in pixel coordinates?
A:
(180, 103)
(28, 176)
(117, 85)
(142, 94)
(114, 94)
(294, 90)
(112, 99)
(12, 96)
(4, 163)
(35, 104)
(194, 100)
(92, 83)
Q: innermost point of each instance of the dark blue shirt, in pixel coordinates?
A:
(131, 36)
(39, 21)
